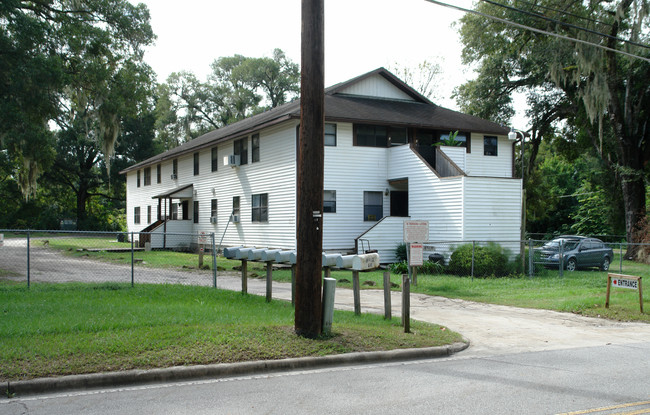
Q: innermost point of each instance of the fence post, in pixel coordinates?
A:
(387, 306)
(269, 281)
(531, 264)
(244, 276)
(406, 303)
(214, 261)
(562, 258)
(473, 246)
(620, 257)
(356, 291)
(28, 271)
(132, 261)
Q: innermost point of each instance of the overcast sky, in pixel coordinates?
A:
(360, 36)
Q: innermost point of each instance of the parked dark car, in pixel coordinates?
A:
(579, 252)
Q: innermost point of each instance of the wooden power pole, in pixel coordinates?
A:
(308, 317)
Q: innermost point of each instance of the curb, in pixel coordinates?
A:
(177, 373)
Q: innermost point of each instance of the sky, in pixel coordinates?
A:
(360, 36)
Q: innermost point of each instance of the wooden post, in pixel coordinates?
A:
(269, 281)
(244, 276)
(357, 292)
(293, 284)
(415, 276)
(609, 284)
(327, 272)
(406, 303)
(308, 313)
(387, 305)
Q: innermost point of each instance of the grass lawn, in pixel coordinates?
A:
(61, 329)
(580, 292)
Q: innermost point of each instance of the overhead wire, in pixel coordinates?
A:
(563, 12)
(533, 29)
(541, 16)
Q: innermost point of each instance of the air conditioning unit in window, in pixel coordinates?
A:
(174, 177)
(232, 160)
(213, 219)
(235, 218)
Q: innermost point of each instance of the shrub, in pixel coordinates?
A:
(400, 252)
(431, 268)
(490, 260)
(399, 267)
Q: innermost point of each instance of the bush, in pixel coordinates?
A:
(399, 268)
(400, 252)
(490, 260)
(432, 268)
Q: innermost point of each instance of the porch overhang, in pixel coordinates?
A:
(184, 192)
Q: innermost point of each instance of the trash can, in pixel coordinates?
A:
(437, 258)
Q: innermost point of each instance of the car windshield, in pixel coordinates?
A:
(569, 244)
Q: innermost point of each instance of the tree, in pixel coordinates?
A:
(594, 90)
(76, 65)
(237, 88)
(421, 77)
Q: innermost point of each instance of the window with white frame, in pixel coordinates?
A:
(330, 135)
(136, 215)
(260, 211)
(158, 173)
(214, 158)
(241, 150)
(196, 164)
(213, 208)
(175, 168)
(373, 206)
(490, 145)
(195, 211)
(255, 144)
(147, 176)
(329, 201)
(137, 178)
(148, 214)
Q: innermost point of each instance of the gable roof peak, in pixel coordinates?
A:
(387, 75)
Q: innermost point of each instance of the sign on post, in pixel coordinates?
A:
(416, 231)
(416, 257)
(624, 281)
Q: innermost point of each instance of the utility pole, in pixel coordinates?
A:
(308, 316)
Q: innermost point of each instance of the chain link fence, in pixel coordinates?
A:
(187, 258)
(483, 259)
(56, 256)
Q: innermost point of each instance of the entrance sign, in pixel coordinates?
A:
(416, 255)
(416, 231)
(624, 281)
(621, 282)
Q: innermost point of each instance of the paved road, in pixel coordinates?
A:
(547, 382)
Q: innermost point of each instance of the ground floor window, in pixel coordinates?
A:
(213, 208)
(329, 201)
(373, 206)
(260, 212)
(136, 215)
(148, 214)
(195, 209)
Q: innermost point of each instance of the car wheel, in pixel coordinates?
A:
(605, 265)
(571, 264)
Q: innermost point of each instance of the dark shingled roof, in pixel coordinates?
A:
(420, 113)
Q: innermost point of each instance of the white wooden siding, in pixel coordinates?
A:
(478, 164)
(492, 210)
(376, 86)
(456, 154)
(350, 171)
(274, 174)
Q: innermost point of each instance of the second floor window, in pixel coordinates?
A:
(196, 164)
(329, 201)
(255, 143)
(175, 169)
(214, 158)
(490, 146)
(241, 150)
(158, 173)
(147, 176)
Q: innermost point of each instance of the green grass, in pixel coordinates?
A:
(66, 329)
(580, 292)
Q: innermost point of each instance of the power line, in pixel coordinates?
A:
(532, 29)
(563, 12)
(541, 16)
